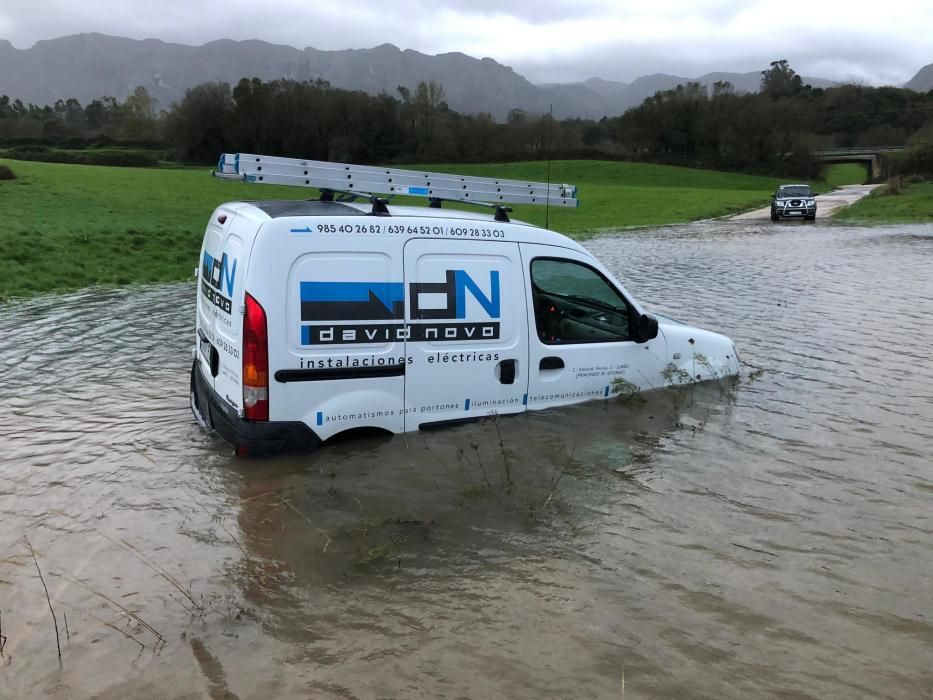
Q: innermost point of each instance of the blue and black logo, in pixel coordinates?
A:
(217, 276)
(352, 301)
(378, 302)
(455, 288)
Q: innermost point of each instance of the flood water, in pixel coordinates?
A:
(771, 538)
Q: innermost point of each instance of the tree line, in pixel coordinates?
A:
(135, 119)
(773, 131)
(777, 128)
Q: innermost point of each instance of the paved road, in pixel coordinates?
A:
(826, 204)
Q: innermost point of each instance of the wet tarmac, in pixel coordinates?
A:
(826, 204)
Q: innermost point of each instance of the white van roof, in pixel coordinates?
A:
(266, 210)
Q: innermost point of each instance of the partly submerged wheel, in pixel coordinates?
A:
(774, 216)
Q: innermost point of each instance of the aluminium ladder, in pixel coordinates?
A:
(368, 181)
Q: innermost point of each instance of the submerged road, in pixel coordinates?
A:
(765, 538)
(826, 204)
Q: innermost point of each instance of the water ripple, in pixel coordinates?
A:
(764, 540)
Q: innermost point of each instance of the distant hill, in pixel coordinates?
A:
(618, 97)
(923, 81)
(88, 66)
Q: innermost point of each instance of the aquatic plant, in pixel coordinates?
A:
(675, 376)
(625, 389)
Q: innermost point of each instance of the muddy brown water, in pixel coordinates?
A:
(770, 538)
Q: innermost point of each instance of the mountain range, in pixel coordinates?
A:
(88, 66)
(923, 81)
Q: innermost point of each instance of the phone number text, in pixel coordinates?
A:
(413, 229)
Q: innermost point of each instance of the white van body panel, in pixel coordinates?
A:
(298, 278)
(422, 317)
(468, 339)
(696, 355)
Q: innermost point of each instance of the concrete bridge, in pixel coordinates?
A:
(867, 155)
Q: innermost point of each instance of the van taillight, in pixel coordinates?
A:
(255, 362)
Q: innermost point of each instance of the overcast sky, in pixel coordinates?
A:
(544, 40)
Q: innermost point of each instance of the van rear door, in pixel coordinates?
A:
(466, 333)
(221, 256)
(335, 307)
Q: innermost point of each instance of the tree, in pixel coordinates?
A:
(428, 102)
(139, 115)
(103, 115)
(780, 80)
(197, 125)
(251, 122)
(74, 113)
(723, 88)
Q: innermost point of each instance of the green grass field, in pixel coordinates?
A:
(616, 195)
(845, 174)
(912, 204)
(71, 226)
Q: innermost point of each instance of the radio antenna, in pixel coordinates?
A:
(547, 201)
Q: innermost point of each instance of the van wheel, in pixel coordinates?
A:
(202, 417)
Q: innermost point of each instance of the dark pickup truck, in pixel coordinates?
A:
(793, 201)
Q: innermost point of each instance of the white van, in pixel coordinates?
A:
(319, 317)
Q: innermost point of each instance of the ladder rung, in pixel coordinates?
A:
(402, 178)
(249, 163)
(366, 188)
(370, 179)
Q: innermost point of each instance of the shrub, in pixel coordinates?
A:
(121, 158)
(920, 158)
(6, 173)
(128, 159)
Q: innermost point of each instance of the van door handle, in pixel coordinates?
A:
(507, 372)
(551, 363)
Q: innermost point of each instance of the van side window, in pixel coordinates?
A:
(575, 304)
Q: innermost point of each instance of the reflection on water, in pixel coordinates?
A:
(763, 539)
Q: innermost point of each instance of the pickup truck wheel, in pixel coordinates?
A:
(810, 218)
(774, 216)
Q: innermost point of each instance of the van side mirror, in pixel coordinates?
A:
(647, 328)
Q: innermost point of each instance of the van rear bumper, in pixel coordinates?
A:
(247, 437)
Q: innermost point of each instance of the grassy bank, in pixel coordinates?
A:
(910, 204)
(844, 174)
(617, 195)
(71, 226)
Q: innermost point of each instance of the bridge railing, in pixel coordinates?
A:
(860, 151)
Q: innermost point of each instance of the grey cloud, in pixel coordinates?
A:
(875, 55)
(839, 58)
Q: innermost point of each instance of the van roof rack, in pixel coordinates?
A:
(368, 181)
